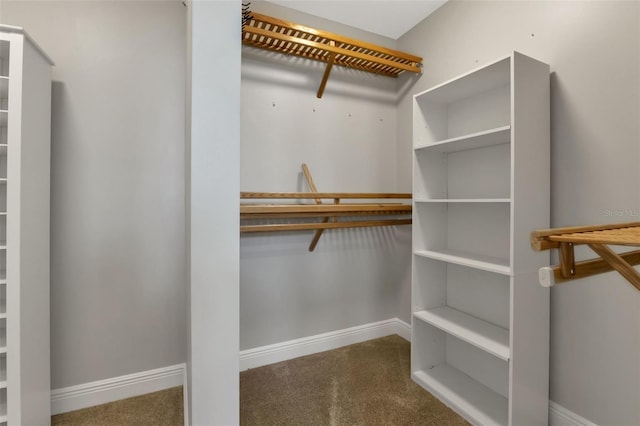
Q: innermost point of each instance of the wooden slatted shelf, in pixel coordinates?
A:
(359, 213)
(290, 38)
(321, 216)
(598, 238)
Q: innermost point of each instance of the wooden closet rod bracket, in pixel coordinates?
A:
(598, 238)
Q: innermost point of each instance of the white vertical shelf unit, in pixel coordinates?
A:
(480, 323)
(25, 136)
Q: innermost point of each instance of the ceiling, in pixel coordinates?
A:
(369, 15)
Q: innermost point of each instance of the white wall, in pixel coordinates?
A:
(348, 140)
(117, 188)
(593, 50)
(213, 212)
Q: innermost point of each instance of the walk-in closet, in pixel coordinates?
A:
(295, 212)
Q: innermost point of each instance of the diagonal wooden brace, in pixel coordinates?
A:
(327, 71)
(617, 263)
(312, 186)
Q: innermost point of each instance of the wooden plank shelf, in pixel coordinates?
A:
(598, 238)
(319, 216)
(289, 38)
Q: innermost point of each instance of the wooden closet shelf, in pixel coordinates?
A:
(308, 215)
(289, 38)
(598, 238)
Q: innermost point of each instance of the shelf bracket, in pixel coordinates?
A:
(567, 260)
(327, 71)
(618, 263)
(312, 186)
(598, 238)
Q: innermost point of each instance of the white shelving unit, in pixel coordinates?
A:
(25, 126)
(480, 325)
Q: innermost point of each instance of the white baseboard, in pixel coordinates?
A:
(560, 416)
(264, 355)
(103, 391)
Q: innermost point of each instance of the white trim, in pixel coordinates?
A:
(103, 391)
(560, 416)
(264, 355)
(185, 395)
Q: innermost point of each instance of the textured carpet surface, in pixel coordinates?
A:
(364, 384)
(162, 408)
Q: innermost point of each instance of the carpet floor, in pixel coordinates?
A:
(364, 384)
(162, 408)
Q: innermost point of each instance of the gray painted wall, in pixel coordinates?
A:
(117, 188)
(348, 140)
(593, 50)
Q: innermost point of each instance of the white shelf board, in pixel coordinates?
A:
(472, 260)
(497, 136)
(462, 200)
(4, 87)
(474, 401)
(481, 334)
(480, 80)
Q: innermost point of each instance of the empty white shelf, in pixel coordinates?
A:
(498, 136)
(472, 260)
(3, 118)
(473, 400)
(4, 87)
(480, 80)
(479, 333)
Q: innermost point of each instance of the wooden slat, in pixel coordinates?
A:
(587, 268)
(575, 229)
(321, 208)
(332, 195)
(315, 226)
(303, 215)
(625, 236)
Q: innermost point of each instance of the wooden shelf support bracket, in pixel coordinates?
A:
(598, 238)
